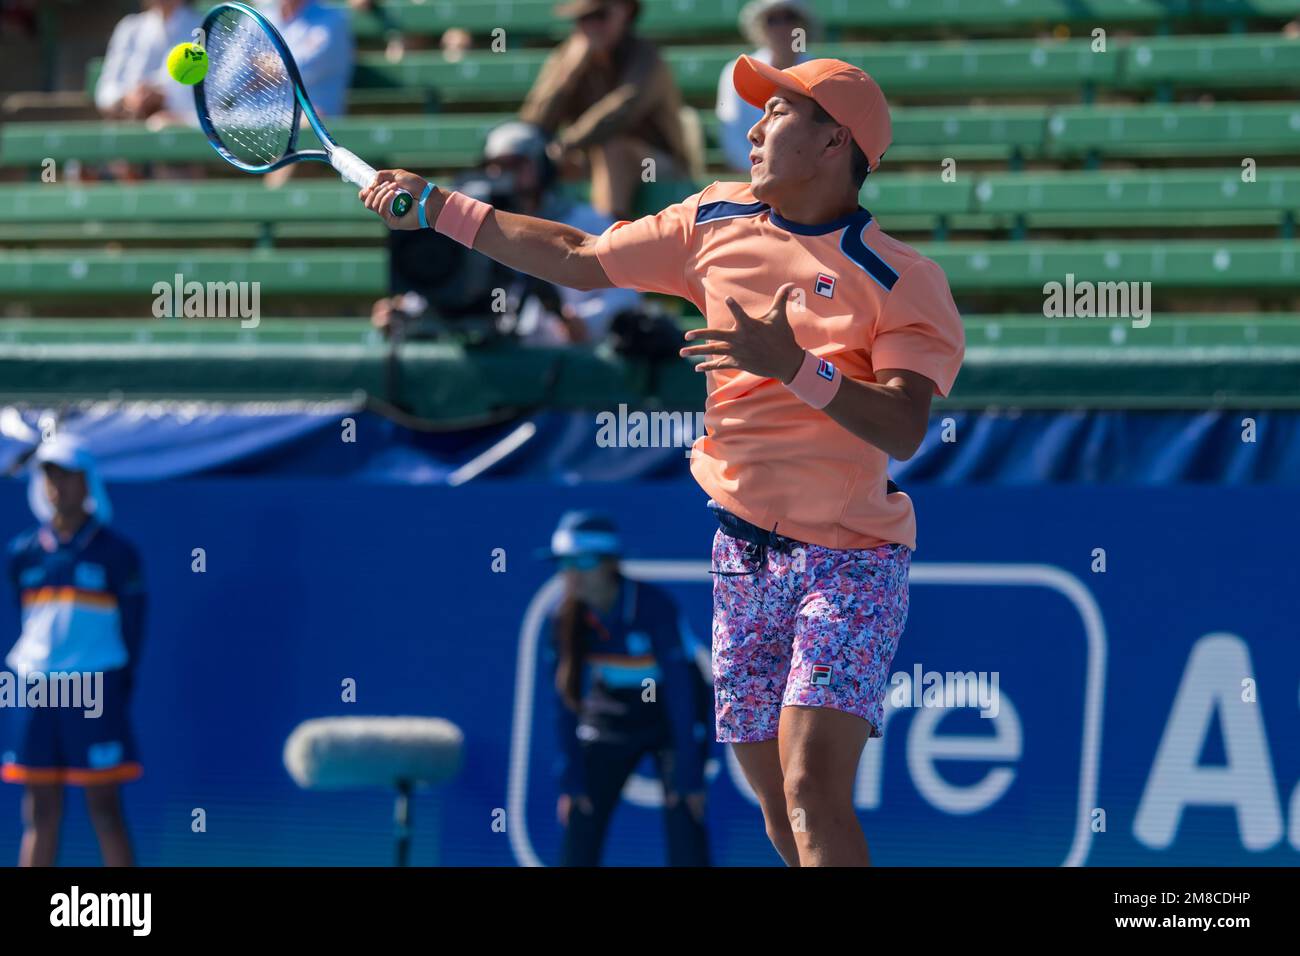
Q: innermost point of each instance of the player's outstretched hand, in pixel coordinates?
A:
(378, 198)
(763, 346)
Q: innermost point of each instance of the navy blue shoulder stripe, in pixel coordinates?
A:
(851, 245)
(728, 210)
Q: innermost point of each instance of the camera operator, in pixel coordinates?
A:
(438, 285)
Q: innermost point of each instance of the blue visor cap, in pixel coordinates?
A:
(583, 535)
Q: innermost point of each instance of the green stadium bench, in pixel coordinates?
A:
(1237, 9)
(1211, 62)
(215, 234)
(970, 266)
(1218, 129)
(324, 211)
(238, 201)
(1194, 264)
(1011, 361)
(696, 18)
(1132, 199)
(911, 202)
(360, 98)
(921, 134)
(910, 69)
(1005, 331)
(445, 140)
(170, 202)
(232, 210)
(1167, 331)
(78, 273)
(86, 331)
(915, 193)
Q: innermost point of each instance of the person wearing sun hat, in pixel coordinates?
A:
(610, 102)
(780, 31)
(610, 639)
(825, 341)
(80, 588)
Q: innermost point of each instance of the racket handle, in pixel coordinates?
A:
(360, 173)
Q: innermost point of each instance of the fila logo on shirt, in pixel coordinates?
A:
(825, 285)
(821, 674)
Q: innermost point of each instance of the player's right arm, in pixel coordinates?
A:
(560, 254)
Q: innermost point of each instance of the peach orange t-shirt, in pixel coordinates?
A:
(868, 302)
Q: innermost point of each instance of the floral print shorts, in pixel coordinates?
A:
(817, 627)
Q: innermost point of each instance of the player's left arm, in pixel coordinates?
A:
(891, 413)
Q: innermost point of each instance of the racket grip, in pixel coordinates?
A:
(360, 173)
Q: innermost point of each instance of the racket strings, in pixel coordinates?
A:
(248, 94)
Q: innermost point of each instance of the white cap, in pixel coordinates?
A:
(69, 453)
(515, 138)
(754, 12)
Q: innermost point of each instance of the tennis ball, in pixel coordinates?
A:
(187, 63)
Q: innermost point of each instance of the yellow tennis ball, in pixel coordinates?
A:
(187, 63)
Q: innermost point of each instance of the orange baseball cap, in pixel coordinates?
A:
(849, 95)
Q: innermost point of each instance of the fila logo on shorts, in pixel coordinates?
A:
(825, 285)
(821, 674)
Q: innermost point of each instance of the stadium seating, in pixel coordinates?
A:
(693, 18)
(324, 210)
(1243, 360)
(921, 134)
(1043, 185)
(79, 273)
(1264, 266)
(916, 69)
(997, 66)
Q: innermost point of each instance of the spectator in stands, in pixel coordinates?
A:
(133, 84)
(454, 42)
(611, 638)
(617, 101)
(320, 39)
(773, 27)
(434, 278)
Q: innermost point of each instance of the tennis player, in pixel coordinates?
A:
(826, 341)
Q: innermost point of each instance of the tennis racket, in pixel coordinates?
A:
(252, 101)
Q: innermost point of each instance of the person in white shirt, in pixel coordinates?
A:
(771, 26)
(320, 39)
(134, 84)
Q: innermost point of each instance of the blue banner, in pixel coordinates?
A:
(1133, 652)
(158, 441)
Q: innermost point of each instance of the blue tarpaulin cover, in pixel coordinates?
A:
(150, 442)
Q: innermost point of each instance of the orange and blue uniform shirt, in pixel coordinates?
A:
(863, 301)
(82, 610)
(643, 636)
